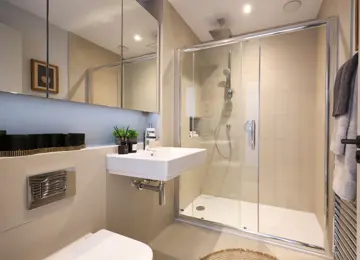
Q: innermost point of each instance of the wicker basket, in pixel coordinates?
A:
(238, 254)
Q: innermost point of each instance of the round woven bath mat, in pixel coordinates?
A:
(238, 254)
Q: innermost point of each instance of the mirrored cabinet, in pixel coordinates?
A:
(23, 47)
(101, 52)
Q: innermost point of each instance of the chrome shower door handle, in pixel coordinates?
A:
(250, 127)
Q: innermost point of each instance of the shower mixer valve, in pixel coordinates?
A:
(230, 93)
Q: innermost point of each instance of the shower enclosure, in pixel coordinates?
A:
(259, 103)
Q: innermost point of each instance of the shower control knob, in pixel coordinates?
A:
(230, 93)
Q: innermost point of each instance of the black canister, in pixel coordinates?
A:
(75, 139)
(16, 142)
(35, 142)
(132, 144)
(123, 149)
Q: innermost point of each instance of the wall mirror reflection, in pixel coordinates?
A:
(86, 44)
(23, 48)
(140, 77)
(85, 37)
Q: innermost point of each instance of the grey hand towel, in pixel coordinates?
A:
(344, 86)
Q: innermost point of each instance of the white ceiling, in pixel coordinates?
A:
(99, 21)
(201, 15)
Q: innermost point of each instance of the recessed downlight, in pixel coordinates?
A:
(247, 9)
(137, 38)
(292, 6)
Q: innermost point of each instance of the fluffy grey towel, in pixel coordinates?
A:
(345, 170)
(344, 84)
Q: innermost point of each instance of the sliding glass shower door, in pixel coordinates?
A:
(292, 136)
(260, 109)
(219, 112)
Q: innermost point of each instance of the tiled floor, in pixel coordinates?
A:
(181, 241)
(275, 221)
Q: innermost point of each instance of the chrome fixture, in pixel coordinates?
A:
(250, 128)
(229, 92)
(345, 228)
(220, 33)
(50, 187)
(157, 186)
(258, 35)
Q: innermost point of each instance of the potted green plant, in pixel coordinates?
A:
(121, 139)
(132, 140)
(121, 135)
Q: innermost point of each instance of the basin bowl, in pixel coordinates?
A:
(161, 164)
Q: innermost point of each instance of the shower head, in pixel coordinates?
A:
(227, 72)
(220, 33)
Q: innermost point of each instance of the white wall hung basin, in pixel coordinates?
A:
(160, 164)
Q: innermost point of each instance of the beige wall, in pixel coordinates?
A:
(342, 10)
(34, 234)
(102, 201)
(140, 85)
(137, 214)
(84, 55)
(287, 118)
(174, 34)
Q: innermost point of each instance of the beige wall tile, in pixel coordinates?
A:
(102, 201)
(137, 214)
(35, 234)
(175, 34)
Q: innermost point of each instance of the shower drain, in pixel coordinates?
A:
(200, 208)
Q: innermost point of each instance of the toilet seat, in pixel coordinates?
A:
(104, 245)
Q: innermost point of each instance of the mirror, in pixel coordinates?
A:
(98, 35)
(86, 44)
(88, 52)
(140, 77)
(23, 47)
(139, 88)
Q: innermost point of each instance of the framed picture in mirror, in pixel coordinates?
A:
(38, 77)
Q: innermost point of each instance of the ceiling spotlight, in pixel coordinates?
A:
(137, 38)
(247, 9)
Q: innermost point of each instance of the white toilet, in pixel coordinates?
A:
(104, 245)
